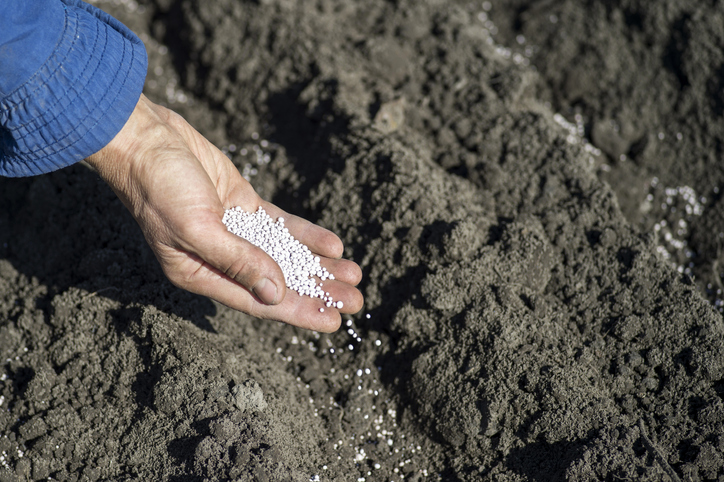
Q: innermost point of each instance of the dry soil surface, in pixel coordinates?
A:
(532, 190)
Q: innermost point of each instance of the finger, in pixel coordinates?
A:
(318, 239)
(301, 311)
(239, 260)
(343, 270)
(294, 310)
(208, 281)
(350, 297)
(304, 314)
(322, 242)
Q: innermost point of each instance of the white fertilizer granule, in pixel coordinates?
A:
(296, 261)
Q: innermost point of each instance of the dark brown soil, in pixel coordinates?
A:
(531, 188)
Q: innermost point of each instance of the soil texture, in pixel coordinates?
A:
(532, 189)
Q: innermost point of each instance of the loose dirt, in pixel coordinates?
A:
(532, 190)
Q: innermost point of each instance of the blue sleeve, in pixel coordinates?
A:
(70, 77)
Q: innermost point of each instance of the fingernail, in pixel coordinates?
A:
(266, 291)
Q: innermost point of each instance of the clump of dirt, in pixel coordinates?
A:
(647, 85)
(517, 326)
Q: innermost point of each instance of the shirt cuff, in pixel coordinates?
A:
(78, 100)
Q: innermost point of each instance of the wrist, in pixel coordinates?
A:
(113, 162)
(122, 159)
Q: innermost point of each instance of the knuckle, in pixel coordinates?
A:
(180, 280)
(242, 270)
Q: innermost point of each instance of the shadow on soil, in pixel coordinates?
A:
(67, 229)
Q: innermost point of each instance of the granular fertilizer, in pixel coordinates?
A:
(295, 259)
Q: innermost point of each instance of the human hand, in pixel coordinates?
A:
(176, 185)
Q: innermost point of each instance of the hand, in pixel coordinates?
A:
(177, 186)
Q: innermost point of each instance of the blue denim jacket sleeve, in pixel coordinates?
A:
(70, 77)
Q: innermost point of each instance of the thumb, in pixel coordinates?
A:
(243, 262)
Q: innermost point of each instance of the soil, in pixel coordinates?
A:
(532, 190)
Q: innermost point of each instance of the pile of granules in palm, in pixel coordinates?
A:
(296, 260)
